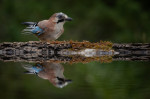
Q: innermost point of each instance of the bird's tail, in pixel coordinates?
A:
(30, 27)
(29, 69)
(32, 69)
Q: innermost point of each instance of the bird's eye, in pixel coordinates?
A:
(60, 83)
(60, 16)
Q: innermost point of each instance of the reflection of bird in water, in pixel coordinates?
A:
(47, 30)
(50, 71)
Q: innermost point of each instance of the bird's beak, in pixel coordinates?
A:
(68, 81)
(68, 19)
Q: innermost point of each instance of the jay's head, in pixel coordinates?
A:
(60, 18)
(62, 82)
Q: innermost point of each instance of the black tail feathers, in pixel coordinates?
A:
(30, 23)
(27, 72)
(30, 27)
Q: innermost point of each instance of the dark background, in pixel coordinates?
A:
(119, 21)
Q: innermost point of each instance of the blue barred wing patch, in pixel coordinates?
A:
(37, 30)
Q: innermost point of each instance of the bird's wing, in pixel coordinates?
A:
(43, 24)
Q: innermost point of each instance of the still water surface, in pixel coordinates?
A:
(125, 80)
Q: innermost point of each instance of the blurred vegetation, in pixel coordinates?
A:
(119, 21)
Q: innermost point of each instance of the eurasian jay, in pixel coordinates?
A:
(50, 71)
(47, 30)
